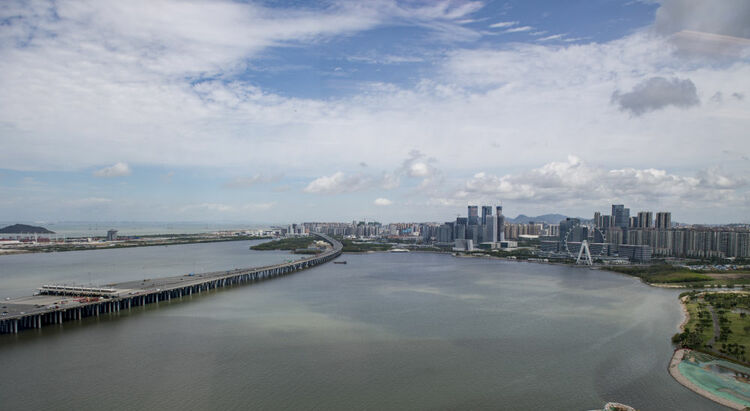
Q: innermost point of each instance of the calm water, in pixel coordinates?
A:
(385, 331)
(22, 274)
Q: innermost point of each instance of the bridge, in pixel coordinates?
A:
(49, 308)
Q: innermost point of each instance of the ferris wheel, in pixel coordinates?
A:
(584, 250)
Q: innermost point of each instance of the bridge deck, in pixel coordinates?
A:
(58, 304)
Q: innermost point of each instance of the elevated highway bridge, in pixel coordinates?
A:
(56, 304)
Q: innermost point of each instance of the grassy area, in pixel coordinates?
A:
(288, 243)
(699, 329)
(668, 274)
(733, 314)
(520, 254)
(352, 247)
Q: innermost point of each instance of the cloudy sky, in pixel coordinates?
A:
(278, 111)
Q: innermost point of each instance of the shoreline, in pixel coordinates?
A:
(674, 371)
(685, 315)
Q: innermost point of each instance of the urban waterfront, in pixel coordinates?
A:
(384, 331)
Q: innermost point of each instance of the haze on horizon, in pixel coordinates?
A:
(271, 111)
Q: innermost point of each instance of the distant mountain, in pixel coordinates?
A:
(545, 218)
(24, 229)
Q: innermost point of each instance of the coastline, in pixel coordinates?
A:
(674, 371)
(685, 315)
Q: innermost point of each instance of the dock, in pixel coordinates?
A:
(79, 302)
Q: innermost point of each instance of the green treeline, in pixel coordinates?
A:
(288, 243)
(662, 273)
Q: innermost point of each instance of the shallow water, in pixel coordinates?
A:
(22, 274)
(385, 331)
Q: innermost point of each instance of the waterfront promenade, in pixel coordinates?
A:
(57, 304)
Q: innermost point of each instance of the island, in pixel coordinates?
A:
(24, 229)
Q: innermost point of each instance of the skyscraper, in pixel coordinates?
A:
(500, 223)
(473, 215)
(645, 219)
(621, 216)
(486, 211)
(663, 220)
(597, 219)
(490, 229)
(633, 222)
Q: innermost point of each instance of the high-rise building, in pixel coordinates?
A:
(486, 211)
(473, 215)
(111, 235)
(663, 220)
(459, 231)
(597, 219)
(445, 233)
(621, 216)
(490, 229)
(606, 222)
(645, 219)
(500, 223)
(633, 222)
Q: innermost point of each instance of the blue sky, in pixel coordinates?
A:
(283, 111)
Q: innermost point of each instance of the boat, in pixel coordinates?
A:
(399, 250)
(339, 262)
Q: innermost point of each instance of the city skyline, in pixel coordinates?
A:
(388, 110)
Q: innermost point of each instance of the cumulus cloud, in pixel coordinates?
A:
(417, 165)
(117, 170)
(656, 93)
(382, 202)
(491, 106)
(575, 181)
(338, 183)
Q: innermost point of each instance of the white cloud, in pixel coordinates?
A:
(574, 181)
(552, 37)
(159, 80)
(416, 165)
(518, 29)
(338, 183)
(117, 170)
(503, 24)
(382, 202)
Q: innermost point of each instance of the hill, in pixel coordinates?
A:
(24, 229)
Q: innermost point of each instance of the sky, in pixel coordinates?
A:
(290, 111)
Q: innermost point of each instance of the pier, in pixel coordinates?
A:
(49, 308)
